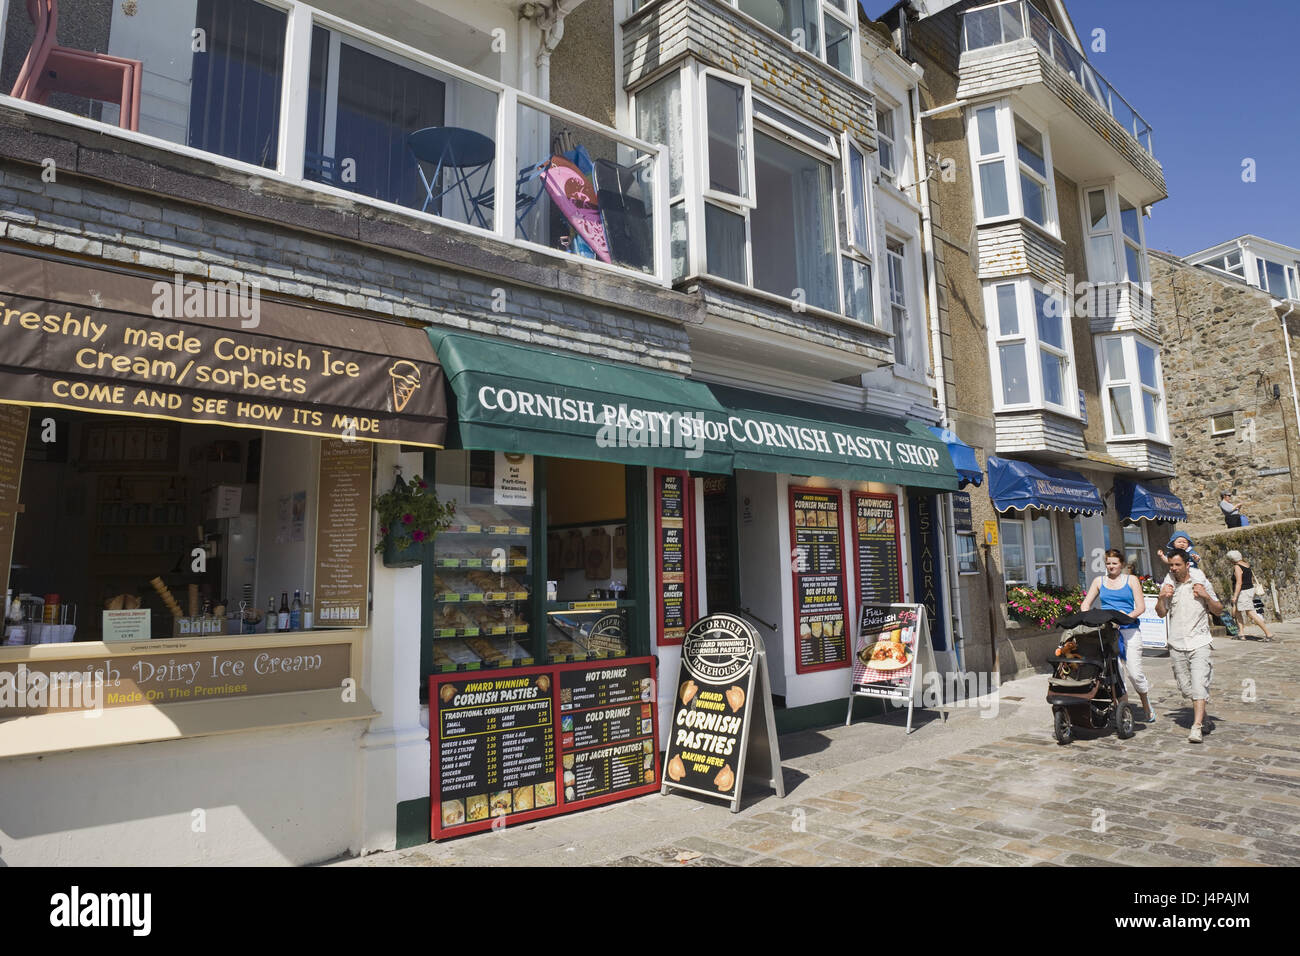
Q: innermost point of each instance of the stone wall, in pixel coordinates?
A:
(1223, 354)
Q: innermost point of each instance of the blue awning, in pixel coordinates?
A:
(1015, 485)
(963, 457)
(1136, 502)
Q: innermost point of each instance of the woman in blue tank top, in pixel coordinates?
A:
(1120, 591)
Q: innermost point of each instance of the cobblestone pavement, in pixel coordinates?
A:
(976, 791)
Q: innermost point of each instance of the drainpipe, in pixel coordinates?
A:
(549, 18)
(1290, 365)
(936, 350)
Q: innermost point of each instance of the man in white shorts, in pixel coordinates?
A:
(1187, 598)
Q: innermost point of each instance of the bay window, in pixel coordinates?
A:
(1012, 159)
(1032, 348)
(1116, 239)
(1132, 387)
(1029, 549)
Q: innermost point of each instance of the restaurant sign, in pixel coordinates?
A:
(54, 354)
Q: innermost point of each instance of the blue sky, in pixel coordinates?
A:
(1218, 84)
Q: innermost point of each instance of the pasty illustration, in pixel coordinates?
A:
(725, 779)
(676, 769)
(543, 683)
(447, 693)
(735, 699)
(689, 690)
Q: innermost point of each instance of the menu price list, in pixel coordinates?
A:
(607, 730)
(496, 743)
(820, 605)
(675, 558)
(876, 536)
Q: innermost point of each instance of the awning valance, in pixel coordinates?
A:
(963, 457)
(1137, 502)
(1016, 485)
(515, 398)
(787, 436)
(195, 350)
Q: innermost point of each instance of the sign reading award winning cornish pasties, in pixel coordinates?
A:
(518, 744)
(715, 712)
(343, 534)
(674, 532)
(820, 601)
(876, 538)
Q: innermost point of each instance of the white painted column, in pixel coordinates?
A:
(395, 750)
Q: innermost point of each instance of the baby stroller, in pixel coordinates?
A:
(1086, 688)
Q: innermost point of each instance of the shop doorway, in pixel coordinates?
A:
(721, 545)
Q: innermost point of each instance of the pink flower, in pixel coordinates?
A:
(383, 530)
(417, 536)
(423, 485)
(407, 518)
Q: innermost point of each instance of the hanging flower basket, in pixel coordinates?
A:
(410, 517)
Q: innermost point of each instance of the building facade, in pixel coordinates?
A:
(1040, 176)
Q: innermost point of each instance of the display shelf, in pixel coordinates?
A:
(458, 562)
(499, 530)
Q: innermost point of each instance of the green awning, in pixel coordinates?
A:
(515, 398)
(770, 433)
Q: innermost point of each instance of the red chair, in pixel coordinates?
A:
(50, 68)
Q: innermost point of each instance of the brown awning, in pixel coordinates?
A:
(198, 350)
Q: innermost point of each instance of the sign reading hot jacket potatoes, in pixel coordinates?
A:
(709, 732)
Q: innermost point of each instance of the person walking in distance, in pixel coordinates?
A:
(1187, 599)
(1120, 590)
(1243, 595)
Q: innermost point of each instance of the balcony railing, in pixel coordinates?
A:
(287, 90)
(1011, 20)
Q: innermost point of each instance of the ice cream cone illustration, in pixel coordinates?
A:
(406, 382)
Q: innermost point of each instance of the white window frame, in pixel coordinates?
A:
(749, 200)
(1219, 432)
(1025, 521)
(857, 241)
(906, 335)
(888, 174)
(1144, 264)
(825, 9)
(1132, 380)
(1008, 155)
(1289, 278)
(1027, 322)
(1119, 240)
(1143, 562)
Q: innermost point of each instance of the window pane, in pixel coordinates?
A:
(1050, 321)
(858, 186)
(1044, 553)
(678, 243)
(1101, 259)
(1015, 374)
(986, 122)
(1273, 278)
(1150, 410)
(902, 334)
(1147, 364)
(793, 227)
(1121, 410)
(839, 46)
(857, 291)
(993, 189)
(1134, 263)
(1008, 317)
(724, 243)
(659, 120)
(1053, 378)
(1115, 371)
(1098, 217)
(1029, 145)
(1035, 199)
(787, 16)
(1012, 533)
(1128, 220)
(726, 105)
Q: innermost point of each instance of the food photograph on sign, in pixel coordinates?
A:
(885, 649)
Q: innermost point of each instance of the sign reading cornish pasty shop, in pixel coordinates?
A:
(69, 356)
(714, 711)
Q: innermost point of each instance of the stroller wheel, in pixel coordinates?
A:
(1061, 726)
(1123, 721)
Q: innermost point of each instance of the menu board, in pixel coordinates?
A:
(343, 534)
(876, 538)
(676, 556)
(607, 730)
(13, 444)
(820, 601)
(884, 652)
(538, 741)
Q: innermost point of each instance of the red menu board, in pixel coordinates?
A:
(876, 546)
(820, 599)
(675, 557)
(508, 746)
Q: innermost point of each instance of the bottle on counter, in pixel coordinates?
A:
(271, 616)
(295, 612)
(282, 618)
(308, 620)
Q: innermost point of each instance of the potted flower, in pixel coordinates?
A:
(410, 516)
